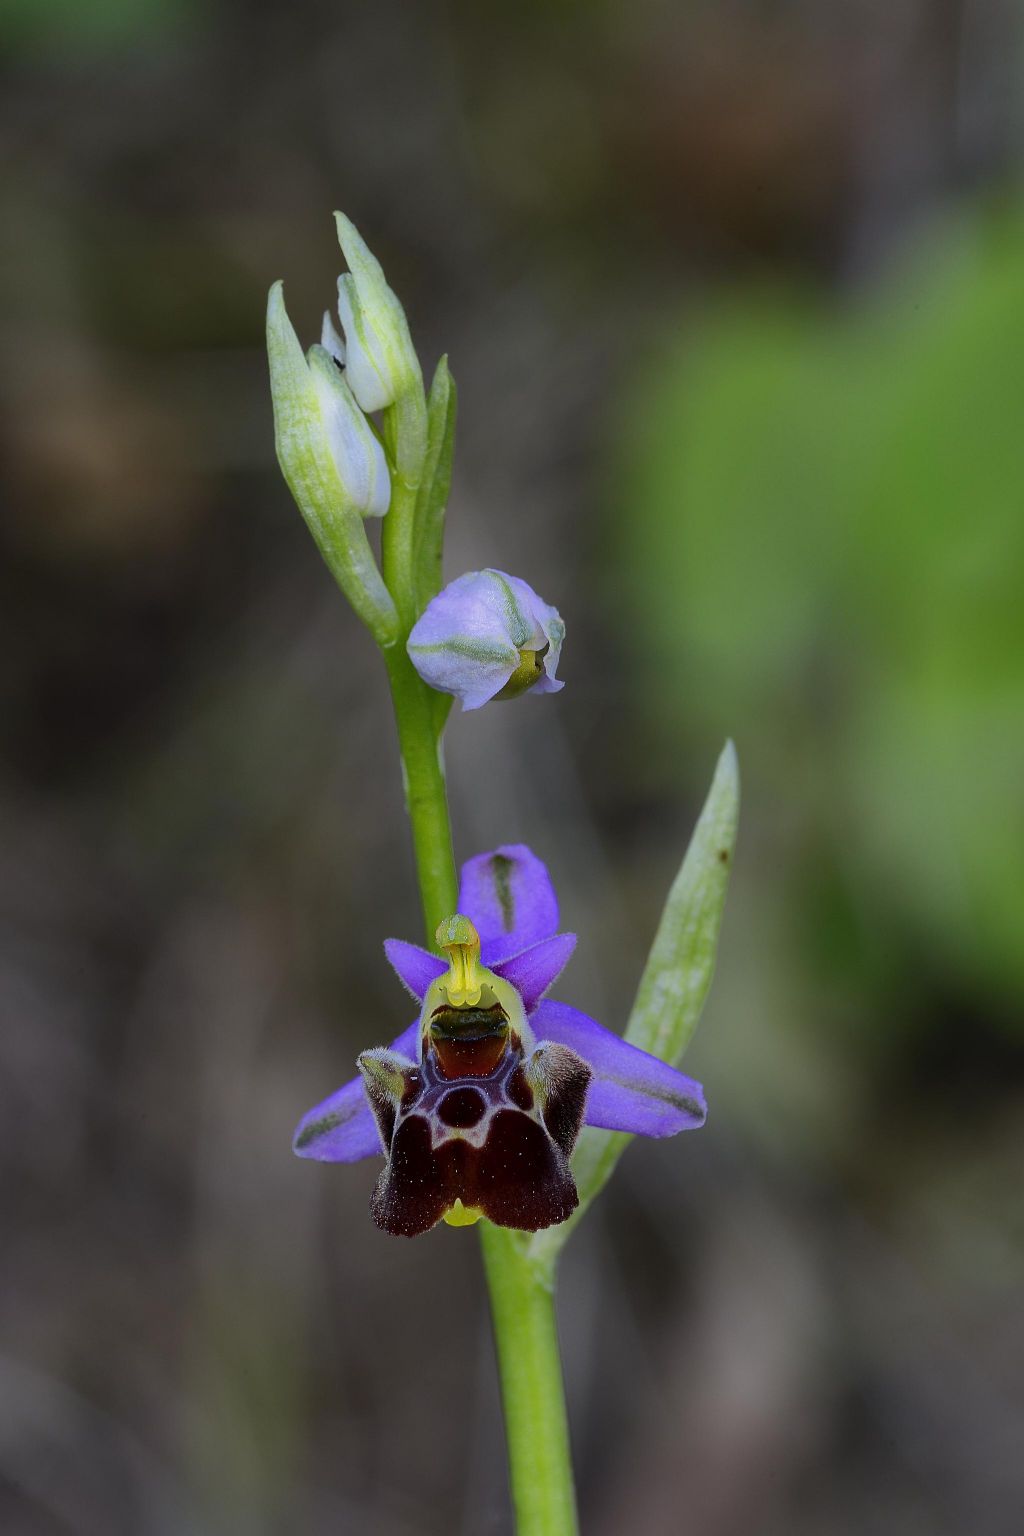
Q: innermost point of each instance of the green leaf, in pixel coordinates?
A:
(674, 985)
(679, 969)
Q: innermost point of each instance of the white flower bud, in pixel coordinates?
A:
(358, 456)
(380, 360)
(332, 462)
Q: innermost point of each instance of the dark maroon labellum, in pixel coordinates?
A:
(497, 1140)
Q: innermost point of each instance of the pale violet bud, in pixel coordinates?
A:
(379, 357)
(358, 456)
(487, 636)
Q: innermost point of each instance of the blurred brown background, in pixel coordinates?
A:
(734, 296)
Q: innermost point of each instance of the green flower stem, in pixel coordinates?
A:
(522, 1293)
(536, 1426)
(426, 794)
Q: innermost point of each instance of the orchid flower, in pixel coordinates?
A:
(476, 1107)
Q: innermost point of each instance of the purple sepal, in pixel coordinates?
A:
(534, 970)
(342, 1129)
(415, 968)
(509, 897)
(631, 1090)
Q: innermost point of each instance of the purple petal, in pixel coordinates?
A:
(416, 968)
(509, 897)
(631, 1091)
(534, 970)
(342, 1129)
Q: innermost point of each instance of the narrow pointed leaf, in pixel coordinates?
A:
(674, 984)
(681, 963)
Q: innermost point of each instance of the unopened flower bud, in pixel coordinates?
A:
(379, 357)
(318, 423)
(333, 464)
(358, 456)
(487, 636)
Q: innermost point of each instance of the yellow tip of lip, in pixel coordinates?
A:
(461, 1215)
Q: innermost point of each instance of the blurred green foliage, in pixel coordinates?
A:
(820, 516)
(67, 26)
